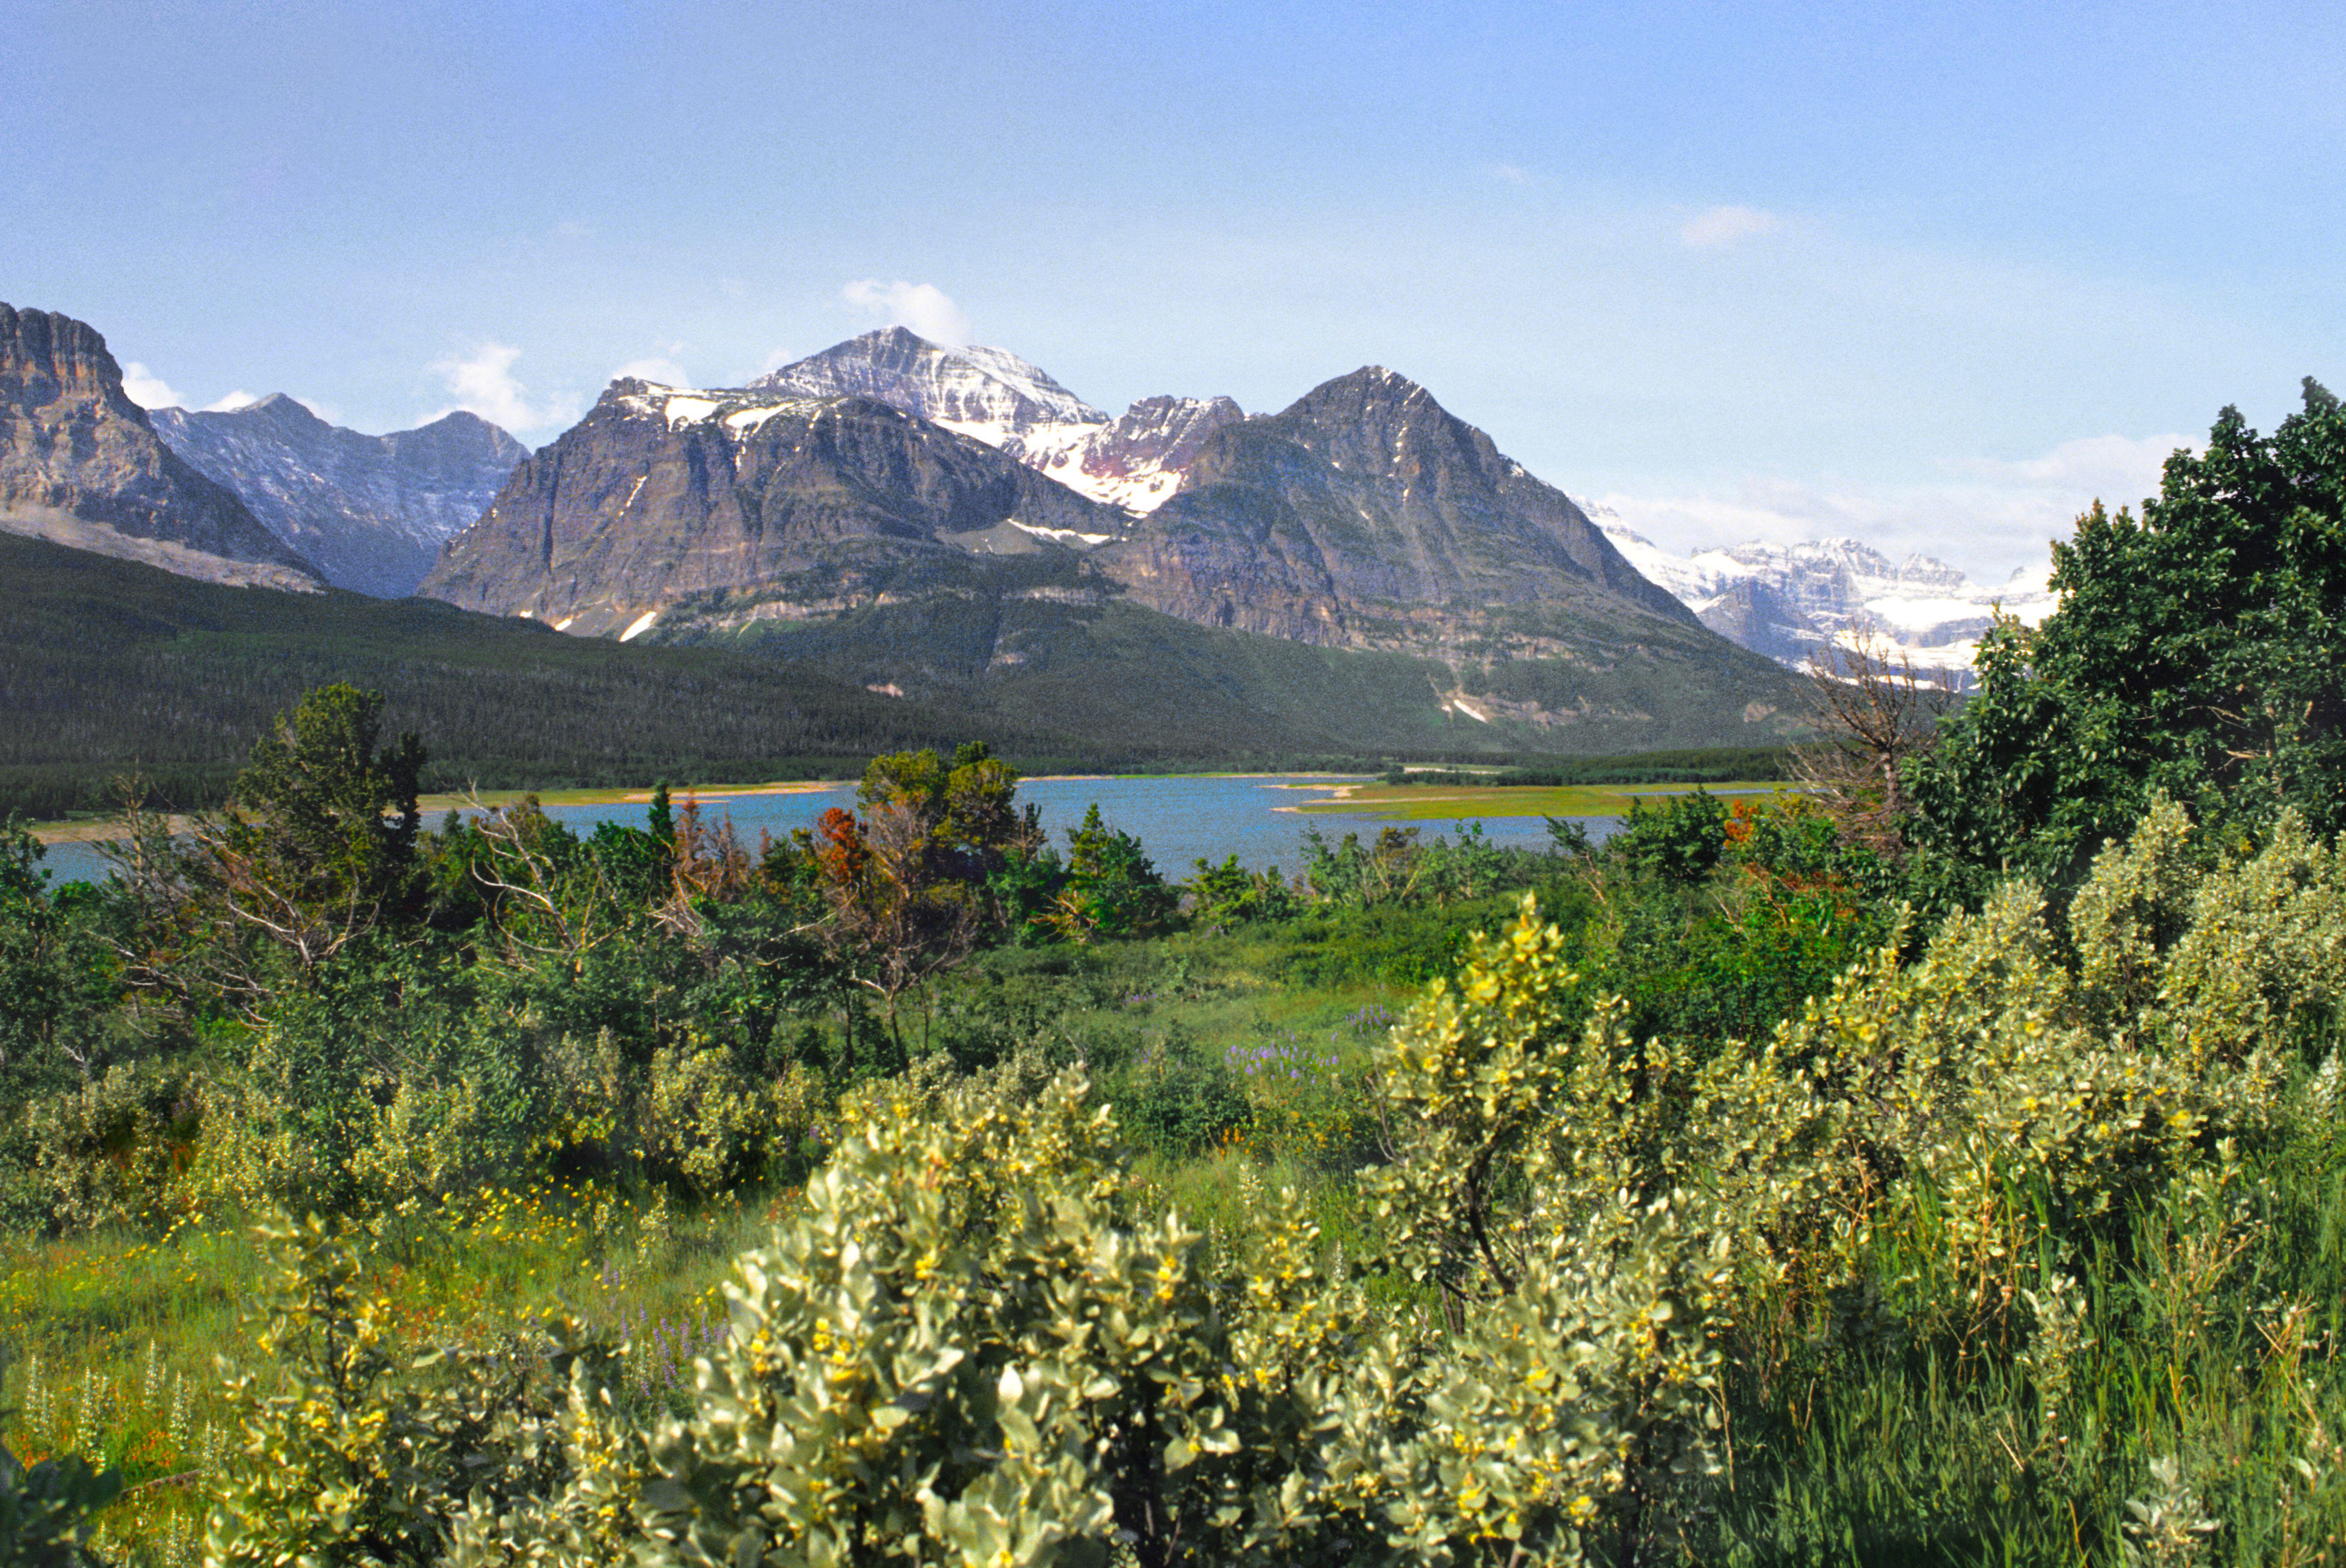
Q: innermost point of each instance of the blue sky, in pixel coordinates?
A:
(1930, 276)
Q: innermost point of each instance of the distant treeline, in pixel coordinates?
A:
(1708, 765)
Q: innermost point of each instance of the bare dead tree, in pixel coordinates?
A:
(539, 908)
(705, 864)
(214, 895)
(1870, 711)
(896, 917)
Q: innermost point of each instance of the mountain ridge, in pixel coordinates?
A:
(82, 465)
(913, 555)
(370, 511)
(730, 499)
(1788, 601)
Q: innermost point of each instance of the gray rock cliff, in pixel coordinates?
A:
(758, 501)
(80, 465)
(1365, 514)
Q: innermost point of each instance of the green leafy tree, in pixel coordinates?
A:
(907, 885)
(39, 986)
(1229, 894)
(1679, 841)
(316, 850)
(1392, 869)
(1111, 888)
(2199, 651)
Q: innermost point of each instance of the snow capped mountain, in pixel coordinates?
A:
(991, 395)
(1137, 462)
(1786, 600)
(734, 412)
(722, 506)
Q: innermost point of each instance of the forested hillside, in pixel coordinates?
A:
(114, 668)
(108, 668)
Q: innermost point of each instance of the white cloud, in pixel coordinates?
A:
(1716, 227)
(666, 372)
(484, 383)
(2120, 469)
(231, 403)
(1515, 174)
(666, 367)
(145, 388)
(1989, 517)
(921, 308)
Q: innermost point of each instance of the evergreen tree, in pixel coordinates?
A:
(2198, 650)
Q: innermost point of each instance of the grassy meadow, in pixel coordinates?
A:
(1437, 803)
(115, 1334)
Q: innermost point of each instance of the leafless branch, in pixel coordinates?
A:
(1871, 710)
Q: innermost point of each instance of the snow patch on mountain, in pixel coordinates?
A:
(1063, 536)
(1789, 600)
(991, 395)
(974, 386)
(737, 412)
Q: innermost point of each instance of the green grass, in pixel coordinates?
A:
(1434, 803)
(1888, 1424)
(114, 1337)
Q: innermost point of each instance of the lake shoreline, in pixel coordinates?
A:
(101, 829)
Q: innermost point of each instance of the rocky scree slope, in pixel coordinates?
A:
(81, 465)
(372, 510)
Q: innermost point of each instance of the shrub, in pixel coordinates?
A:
(111, 1149)
(372, 1453)
(47, 1509)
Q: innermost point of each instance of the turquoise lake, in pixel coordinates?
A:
(1177, 820)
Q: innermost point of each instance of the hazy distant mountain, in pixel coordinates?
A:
(1787, 600)
(80, 465)
(372, 510)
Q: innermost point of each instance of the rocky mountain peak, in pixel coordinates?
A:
(460, 436)
(1789, 600)
(82, 465)
(48, 356)
(750, 503)
(284, 411)
(989, 394)
(370, 511)
(1379, 421)
(1136, 462)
